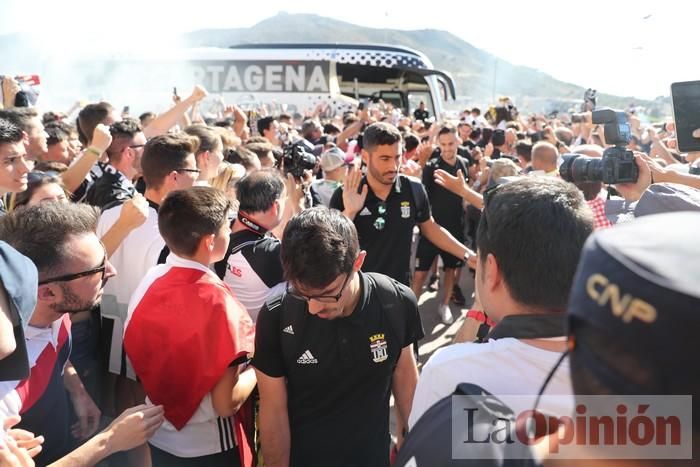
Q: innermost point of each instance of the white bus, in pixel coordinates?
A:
(288, 77)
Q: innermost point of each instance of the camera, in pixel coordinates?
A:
(298, 157)
(617, 164)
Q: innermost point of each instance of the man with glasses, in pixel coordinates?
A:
(73, 268)
(124, 154)
(168, 164)
(330, 351)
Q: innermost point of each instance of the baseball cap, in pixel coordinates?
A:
(636, 288)
(20, 279)
(332, 159)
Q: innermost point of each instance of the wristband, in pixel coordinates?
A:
(479, 316)
(94, 151)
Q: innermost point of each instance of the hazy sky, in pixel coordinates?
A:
(619, 47)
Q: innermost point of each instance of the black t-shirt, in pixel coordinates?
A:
(446, 206)
(387, 237)
(419, 114)
(111, 187)
(251, 268)
(339, 374)
(467, 146)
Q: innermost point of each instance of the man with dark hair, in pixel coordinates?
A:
(124, 154)
(264, 152)
(57, 143)
(386, 206)
(523, 151)
(331, 350)
(13, 163)
(194, 367)
(29, 121)
(448, 211)
(168, 164)
(421, 114)
(146, 118)
(252, 266)
(311, 131)
(268, 128)
(528, 243)
(247, 158)
(92, 115)
(73, 269)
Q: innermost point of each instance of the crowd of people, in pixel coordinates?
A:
(183, 289)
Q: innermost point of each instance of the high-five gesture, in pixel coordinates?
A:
(353, 197)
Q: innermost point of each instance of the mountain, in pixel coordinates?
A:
(479, 76)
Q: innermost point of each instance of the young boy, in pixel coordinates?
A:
(188, 338)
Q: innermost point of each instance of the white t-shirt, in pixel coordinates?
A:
(138, 253)
(503, 367)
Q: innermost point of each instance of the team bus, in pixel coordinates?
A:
(295, 76)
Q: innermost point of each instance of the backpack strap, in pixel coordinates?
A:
(420, 200)
(393, 303)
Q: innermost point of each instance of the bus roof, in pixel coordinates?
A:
(382, 55)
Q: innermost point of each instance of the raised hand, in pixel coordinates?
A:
(101, 138)
(353, 200)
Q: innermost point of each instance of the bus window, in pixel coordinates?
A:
(416, 97)
(395, 98)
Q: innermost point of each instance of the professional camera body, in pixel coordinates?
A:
(617, 164)
(297, 157)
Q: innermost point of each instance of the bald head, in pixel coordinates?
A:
(544, 156)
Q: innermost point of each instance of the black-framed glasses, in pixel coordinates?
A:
(380, 221)
(320, 298)
(71, 277)
(195, 171)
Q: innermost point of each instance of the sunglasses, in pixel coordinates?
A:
(380, 221)
(196, 171)
(320, 298)
(71, 277)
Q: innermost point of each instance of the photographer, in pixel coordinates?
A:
(251, 266)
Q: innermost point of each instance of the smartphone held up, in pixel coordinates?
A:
(685, 97)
